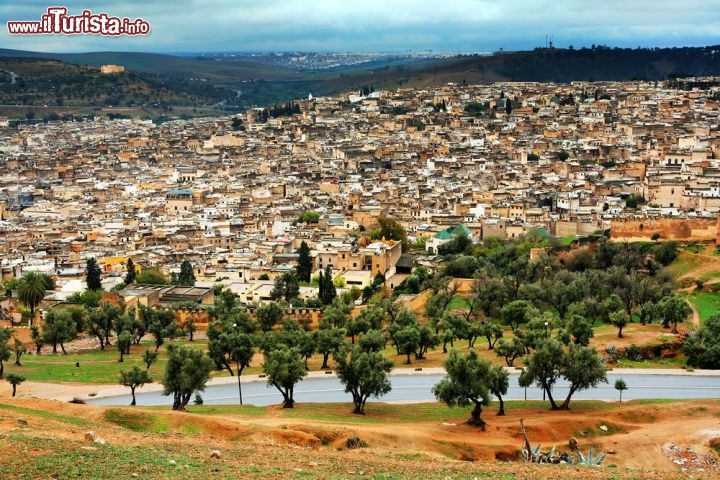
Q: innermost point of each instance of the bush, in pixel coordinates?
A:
(635, 353)
(611, 353)
(355, 442)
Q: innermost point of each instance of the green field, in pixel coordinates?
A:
(706, 303)
(458, 301)
(98, 366)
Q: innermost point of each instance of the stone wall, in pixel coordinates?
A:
(697, 229)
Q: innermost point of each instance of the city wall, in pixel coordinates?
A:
(687, 229)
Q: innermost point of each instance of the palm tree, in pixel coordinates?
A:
(31, 291)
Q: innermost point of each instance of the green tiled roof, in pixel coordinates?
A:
(452, 232)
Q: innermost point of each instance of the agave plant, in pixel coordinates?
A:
(591, 460)
(535, 456)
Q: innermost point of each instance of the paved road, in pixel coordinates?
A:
(417, 387)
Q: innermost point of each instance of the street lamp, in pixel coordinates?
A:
(237, 363)
(547, 335)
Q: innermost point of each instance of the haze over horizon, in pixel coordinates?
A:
(377, 25)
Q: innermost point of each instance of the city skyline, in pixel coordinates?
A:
(459, 26)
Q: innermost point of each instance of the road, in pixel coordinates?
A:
(417, 388)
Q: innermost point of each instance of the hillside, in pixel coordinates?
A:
(40, 82)
(237, 83)
(46, 439)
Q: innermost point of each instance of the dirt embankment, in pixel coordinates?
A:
(643, 440)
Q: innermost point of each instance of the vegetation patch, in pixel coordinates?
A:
(81, 422)
(137, 421)
(71, 460)
(376, 413)
(706, 303)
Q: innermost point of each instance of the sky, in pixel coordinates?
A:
(375, 25)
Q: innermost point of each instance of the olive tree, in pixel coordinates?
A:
(364, 375)
(133, 378)
(284, 368)
(187, 371)
(468, 382)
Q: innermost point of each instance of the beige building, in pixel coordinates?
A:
(107, 69)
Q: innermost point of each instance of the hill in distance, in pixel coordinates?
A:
(235, 83)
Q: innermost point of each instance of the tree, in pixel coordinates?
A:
(489, 329)
(516, 313)
(309, 216)
(15, 380)
(510, 351)
(286, 288)
(581, 329)
(407, 341)
(101, 322)
(328, 292)
(702, 348)
(90, 299)
(269, 315)
(673, 309)
(149, 357)
(133, 378)
(187, 276)
(5, 351)
(327, 342)
(31, 291)
(151, 276)
(304, 265)
(161, 324)
(37, 338)
(187, 371)
(620, 385)
(499, 383)
(123, 343)
(428, 339)
(620, 319)
(295, 337)
(583, 369)
(581, 366)
(131, 271)
(390, 229)
(364, 375)
(229, 342)
(544, 367)
(93, 274)
(372, 341)
(633, 200)
(19, 349)
(467, 382)
(59, 328)
(284, 369)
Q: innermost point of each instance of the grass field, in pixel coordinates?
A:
(458, 301)
(706, 303)
(102, 366)
(684, 264)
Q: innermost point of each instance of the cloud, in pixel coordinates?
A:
(390, 25)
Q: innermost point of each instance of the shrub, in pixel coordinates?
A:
(633, 352)
(355, 442)
(611, 353)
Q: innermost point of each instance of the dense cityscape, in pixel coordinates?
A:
(226, 193)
